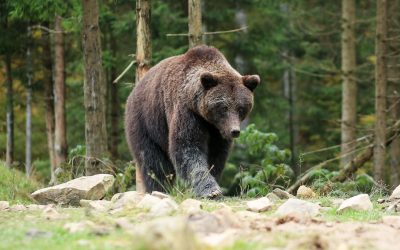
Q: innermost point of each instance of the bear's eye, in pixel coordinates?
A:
(242, 112)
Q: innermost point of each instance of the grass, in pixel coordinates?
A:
(15, 187)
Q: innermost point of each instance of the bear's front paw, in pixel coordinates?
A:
(209, 190)
(216, 194)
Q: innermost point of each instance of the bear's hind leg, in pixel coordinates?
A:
(157, 171)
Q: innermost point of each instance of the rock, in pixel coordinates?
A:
(160, 195)
(381, 201)
(272, 197)
(50, 213)
(166, 233)
(148, 201)
(97, 205)
(164, 207)
(124, 223)
(74, 227)
(126, 200)
(34, 207)
(393, 206)
(70, 193)
(359, 202)
(4, 205)
(18, 208)
(305, 192)
(337, 202)
(393, 221)
(36, 233)
(259, 205)
(395, 194)
(220, 240)
(230, 218)
(204, 222)
(282, 194)
(299, 208)
(191, 206)
(248, 215)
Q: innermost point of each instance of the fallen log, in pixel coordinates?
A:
(358, 161)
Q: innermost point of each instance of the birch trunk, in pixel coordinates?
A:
(95, 88)
(143, 56)
(195, 33)
(380, 91)
(60, 141)
(349, 88)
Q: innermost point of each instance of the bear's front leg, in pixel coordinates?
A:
(188, 152)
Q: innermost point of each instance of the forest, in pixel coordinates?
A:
(324, 128)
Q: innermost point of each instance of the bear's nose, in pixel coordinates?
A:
(235, 133)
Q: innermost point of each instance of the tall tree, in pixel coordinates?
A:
(380, 90)
(143, 55)
(10, 111)
(49, 102)
(28, 133)
(60, 140)
(95, 88)
(114, 137)
(195, 32)
(349, 87)
(393, 76)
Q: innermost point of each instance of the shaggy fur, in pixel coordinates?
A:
(182, 116)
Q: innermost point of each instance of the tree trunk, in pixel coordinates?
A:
(143, 55)
(380, 91)
(49, 104)
(393, 76)
(60, 141)
(349, 89)
(28, 142)
(10, 112)
(95, 88)
(115, 103)
(195, 33)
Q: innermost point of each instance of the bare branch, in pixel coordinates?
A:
(213, 32)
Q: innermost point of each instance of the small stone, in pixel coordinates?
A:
(204, 222)
(219, 240)
(4, 205)
(160, 195)
(74, 227)
(282, 194)
(359, 202)
(18, 208)
(70, 193)
(50, 213)
(394, 207)
(191, 206)
(230, 219)
(124, 223)
(259, 205)
(393, 221)
(395, 193)
(381, 201)
(97, 205)
(273, 197)
(163, 207)
(36, 233)
(305, 192)
(126, 200)
(34, 207)
(148, 201)
(299, 208)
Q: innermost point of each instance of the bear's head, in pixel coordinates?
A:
(227, 100)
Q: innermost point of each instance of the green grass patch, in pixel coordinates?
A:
(15, 186)
(350, 215)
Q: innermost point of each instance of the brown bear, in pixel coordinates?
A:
(181, 118)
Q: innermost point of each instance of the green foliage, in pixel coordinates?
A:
(14, 186)
(260, 164)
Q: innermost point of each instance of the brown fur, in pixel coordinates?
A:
(181, 117)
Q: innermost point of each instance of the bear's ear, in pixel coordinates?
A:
(251, 81)
(208, 80)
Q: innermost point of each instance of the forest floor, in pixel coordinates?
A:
(235, 228)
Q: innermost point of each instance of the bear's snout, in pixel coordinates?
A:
(235, 133)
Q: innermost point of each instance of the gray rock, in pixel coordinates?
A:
(163, 207)
(204, 222)
(160, 195)
(299, 208)
(4, 205)
(18, 208)
(305, 192)
(393, 221)
(359, 202)
(148, 201)
(50, 213)
(126, 200)
(259, 205)
(191, 206)
(97, 205)
(282, 194)
(273, 197)
(395, 194)
(70, 193)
